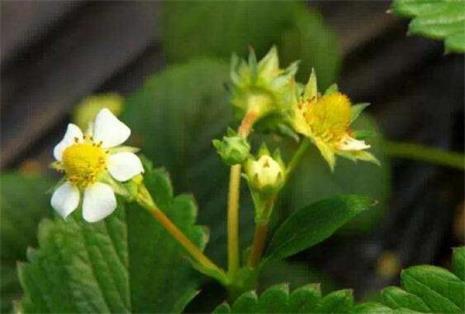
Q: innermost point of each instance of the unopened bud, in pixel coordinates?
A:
(265, 174)
(233, 149)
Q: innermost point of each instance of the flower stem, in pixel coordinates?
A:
(145, 200)
(233, 199)
(261, 229)
(261, 233)
(233, 219)
(426, 154)
(258, 244)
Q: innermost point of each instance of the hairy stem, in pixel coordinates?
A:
(146, 201)
(233, 199)
(258, 244)
(426, 154)
(261, 233)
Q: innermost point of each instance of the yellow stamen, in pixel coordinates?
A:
(329, 117)
(83, 162)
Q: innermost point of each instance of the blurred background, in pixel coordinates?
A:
(170, 63)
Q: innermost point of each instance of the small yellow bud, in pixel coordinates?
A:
(265, 174)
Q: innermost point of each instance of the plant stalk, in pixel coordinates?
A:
(261, 233)
(233, 200)
(426, 154)
(146, 201)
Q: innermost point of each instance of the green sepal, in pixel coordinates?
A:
(233, 148)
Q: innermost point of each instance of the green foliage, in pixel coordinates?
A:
(425, 289)
(314, 223)
(21, 196)
(458, 262)
(126, 263)
(429, 289)
(277, 299)
(220, 28)
(437, 19)
(186, 106)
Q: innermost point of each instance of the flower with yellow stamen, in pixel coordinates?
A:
(326, 120)
(90, 164)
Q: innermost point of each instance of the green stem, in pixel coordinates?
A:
(233, 200)
(304, 144)
(261, 233)
(261, 229)
(426, 154)
(144, 199)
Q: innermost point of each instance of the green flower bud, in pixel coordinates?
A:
(265, 174)
(233, 149)
(88, 108)
(262, 87)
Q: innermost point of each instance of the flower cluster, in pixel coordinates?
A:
(91, 163)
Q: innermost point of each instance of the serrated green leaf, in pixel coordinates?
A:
(246, 303)
(223, 308)
(340, 301)
(277, 299)
(274, 299)
(77, 268)
(314, 223)
(437, 19)
(458, 262)
(371, 308)
(305, 299)
(397, 298)
(21, 196)
(441, 290)
(126, 263)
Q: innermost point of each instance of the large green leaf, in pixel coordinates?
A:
(441, 290)
(221, 28)
(429, 289)
(437, 19)
(314, 223)
(126, 263)
(23, 202)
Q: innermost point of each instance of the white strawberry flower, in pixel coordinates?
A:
(90, 163)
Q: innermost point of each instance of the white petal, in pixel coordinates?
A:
(72, 132)
(99, 202)
(351, 144)
(125, 165)
(108, 129)
(65, 199)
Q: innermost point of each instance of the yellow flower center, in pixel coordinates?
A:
(83, 162)
(329, 117)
